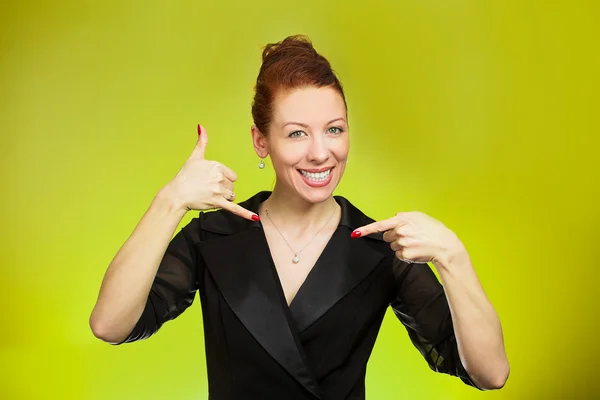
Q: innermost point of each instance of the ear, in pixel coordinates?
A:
(261, 145)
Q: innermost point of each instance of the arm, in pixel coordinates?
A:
(476, 324)
(420, 304)
(125, 289)
(153, 278)
(428, 311)
(455, 321)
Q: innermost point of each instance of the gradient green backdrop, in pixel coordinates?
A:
(481, 114)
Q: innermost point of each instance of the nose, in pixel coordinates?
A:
(318, 153)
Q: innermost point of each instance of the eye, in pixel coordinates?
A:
(295, 134)
(334, 130)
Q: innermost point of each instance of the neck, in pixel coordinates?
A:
(291, 212)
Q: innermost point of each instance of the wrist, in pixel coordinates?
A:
(453, 255)
(168, 201)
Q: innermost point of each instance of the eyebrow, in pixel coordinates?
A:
(306, 126)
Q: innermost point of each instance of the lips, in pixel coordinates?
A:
(316, 179)
(316, 176)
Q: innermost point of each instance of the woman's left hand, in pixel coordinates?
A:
(415, 237)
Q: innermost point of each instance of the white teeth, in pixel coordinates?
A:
(318, 176)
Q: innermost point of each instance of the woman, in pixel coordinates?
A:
(294, 283)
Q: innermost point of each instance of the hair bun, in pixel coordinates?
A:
(298, 44)
(291, 63)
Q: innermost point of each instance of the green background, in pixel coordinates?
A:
(481, 114)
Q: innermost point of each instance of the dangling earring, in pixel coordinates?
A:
(262, 164)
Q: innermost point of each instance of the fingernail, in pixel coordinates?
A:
(199, 130)
(255, 217)
(355, 234)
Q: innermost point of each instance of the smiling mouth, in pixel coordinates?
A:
(316, 176)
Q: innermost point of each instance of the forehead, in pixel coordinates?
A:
(310, 104)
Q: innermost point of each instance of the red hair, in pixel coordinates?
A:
(289, 64)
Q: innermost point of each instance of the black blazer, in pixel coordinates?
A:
(317, 348)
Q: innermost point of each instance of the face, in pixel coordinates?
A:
(308, 142)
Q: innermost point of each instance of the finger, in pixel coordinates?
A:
(200, 148)
(391, 235)
(227, 191)
(402, 257)
(229, 195)
(240, 211)
(379, 226)
(227, 185)
(396, 246)
(229, 173)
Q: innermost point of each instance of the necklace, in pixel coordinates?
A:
(296, 258)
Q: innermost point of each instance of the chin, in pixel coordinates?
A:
(316, 196)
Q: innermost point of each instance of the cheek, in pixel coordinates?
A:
(340, 149)
(286, 156)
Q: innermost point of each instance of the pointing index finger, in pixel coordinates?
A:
(378, 226)
(240, 211)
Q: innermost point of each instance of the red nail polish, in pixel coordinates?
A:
(199, 130)
(355, 234)
(255, 217)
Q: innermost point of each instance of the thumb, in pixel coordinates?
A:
(200, 148)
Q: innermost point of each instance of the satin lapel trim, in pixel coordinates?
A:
(344, 263)
(243, 272)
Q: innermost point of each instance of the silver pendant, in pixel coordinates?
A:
(295, 260)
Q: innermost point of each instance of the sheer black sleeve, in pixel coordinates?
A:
(421, 305)
(174, 286)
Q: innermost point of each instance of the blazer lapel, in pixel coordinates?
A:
(243, 270)
(242, 267)
(344, 263)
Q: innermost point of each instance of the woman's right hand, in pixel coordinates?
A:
(203, 185)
